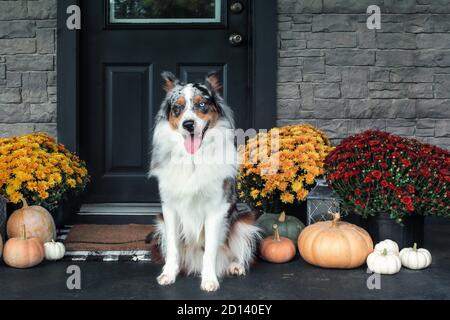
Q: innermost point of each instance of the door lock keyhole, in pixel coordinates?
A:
(235, 39)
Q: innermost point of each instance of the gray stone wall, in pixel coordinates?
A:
(344, 78)
(333, 71)
(27, 67)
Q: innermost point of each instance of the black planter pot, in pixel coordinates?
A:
(382, 227)
(298, 211)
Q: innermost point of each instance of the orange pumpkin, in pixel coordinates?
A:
(23, 252)
(277, 249)
(335, 244)
(37, 220)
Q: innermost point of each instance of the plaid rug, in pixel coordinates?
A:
(101, 255)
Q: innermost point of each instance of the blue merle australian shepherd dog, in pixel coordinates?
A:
(195, 161)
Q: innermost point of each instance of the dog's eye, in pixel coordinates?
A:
(202, 107)
(176, 110)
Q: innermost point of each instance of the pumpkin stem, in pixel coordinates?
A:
(24, 232)
(282, 217)
(415, 246)
(384, 252)
(24, 203)
(276, 233)
(336, 218)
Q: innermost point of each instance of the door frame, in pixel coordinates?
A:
(263, 77)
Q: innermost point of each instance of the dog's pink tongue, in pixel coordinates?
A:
(192, 144)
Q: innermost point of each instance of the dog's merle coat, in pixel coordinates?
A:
(200, 230)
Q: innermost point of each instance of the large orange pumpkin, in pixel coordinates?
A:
(23, 252)
(37, 220)
(335, 244)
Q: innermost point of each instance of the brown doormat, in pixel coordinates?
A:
(100, 237)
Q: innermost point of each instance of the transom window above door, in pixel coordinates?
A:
(147, 12)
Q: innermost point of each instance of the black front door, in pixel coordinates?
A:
(124, 47)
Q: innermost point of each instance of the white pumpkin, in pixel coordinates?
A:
(54, 250)
(384, 262)
(416, 259)
(389, 245)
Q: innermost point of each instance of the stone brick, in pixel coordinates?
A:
(360, 125)
(437, 109)
(17, 29)
(13, 79)
(10, 95)
(334, 128)
(349, 6)
(2, 71)
(342, 57)
(307, 96)
(15, 129)
(34, 87)
(354, 82)
(412, 74)
(425, 128)
(442, 128)
(420, 90)
(333, 23)
(442, 86)
(45, 113)
(30, 63)
(14, 113)
(17, 46)
(396, 41)
(289, 74)
(327, 91)
(433, 41)
(382, 108)
(432, 58)
(383, 90)
(288, 109)
(331, 40)
(401, 127)
(45, 41)
(379, 74)
(49, 128)
(313, 65)
(42, 9)
(330, 109)
(426, 23)
(366, 37)
(395, 58)
(290, 62)
(288, 91)
(13, 10)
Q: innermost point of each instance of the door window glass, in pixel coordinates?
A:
(164, 11)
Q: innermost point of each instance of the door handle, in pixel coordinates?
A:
(235, 39)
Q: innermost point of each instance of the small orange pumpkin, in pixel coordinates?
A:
(277, 249)
(37, 220)
(335, 244)
(23, 252)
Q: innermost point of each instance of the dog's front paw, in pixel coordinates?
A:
(235, 269)
(209, 285)
(165, 279)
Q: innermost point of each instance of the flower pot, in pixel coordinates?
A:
(382, 227)
(65, 210)
(298, 211)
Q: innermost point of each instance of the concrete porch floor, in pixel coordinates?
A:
(295, 280)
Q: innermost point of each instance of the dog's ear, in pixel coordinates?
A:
(170, 81)
(213, 82)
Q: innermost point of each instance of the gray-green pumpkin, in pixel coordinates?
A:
(288, 226)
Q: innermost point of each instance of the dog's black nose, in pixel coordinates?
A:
(189, 125)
